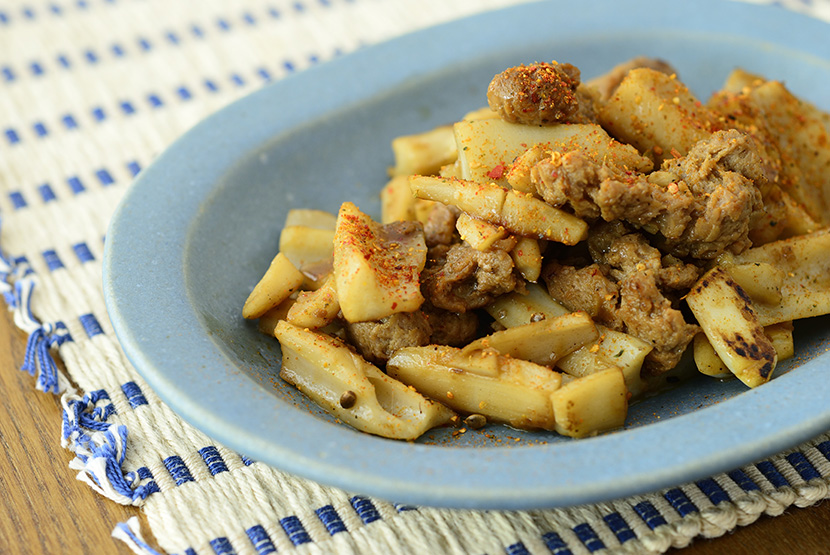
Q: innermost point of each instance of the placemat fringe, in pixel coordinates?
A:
(129, 532)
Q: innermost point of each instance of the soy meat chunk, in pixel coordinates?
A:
(587, 289)
(537, 94)
(378, 340)
(460, 278)
(701, 205)
(645, 308)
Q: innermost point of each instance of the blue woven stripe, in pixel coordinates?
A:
(803, 466)
(213, 460)
(53, 261)
(771, 473)
(295, 530)
(742, 480)
(365, 509)
(556, 544)
(40, 129)
(246, 461)
(82, 252)
(12, 136)
(91, 325)
(178, 470)
(17, 199)
(824, 449)
(401, 507)
(190, 551)
(134, 168)
(330, 519)
(680, 502)
(69, 121)
(46, 192)
(222, 546)
(588, 537)
(650, 515)
(713, 491)
(145, 474)
(133, 393)
(75, 185)
(517, 548)
(260, 540)
(619, 526)
(104, 177)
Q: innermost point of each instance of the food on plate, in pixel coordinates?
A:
(554, 255)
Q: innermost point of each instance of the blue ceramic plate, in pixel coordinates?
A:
(199, 227)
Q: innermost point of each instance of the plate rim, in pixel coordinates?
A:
(120, 273)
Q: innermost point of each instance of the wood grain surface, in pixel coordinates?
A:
(45, 510)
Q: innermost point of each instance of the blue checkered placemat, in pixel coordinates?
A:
(91, 91)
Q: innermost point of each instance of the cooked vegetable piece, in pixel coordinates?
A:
(802, 135)
(591, 404)
(656, 113)
(376, 267)
(727, 317)
(268, 321)
(280, 280)
(306, 240)
(315, 309)
(503, 389)
(353, 390)
(518, 176)
(479, 234)
(306, 217)
(781, 336)
(707, 360)
(518, 213)
(527, 256)
(803, 265)
(424, 153)
(614, 349)
(396, 201)
(761, 281)
(543, 342)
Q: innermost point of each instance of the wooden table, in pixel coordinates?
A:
(44, 509)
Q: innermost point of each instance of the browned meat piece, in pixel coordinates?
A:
(724, 173)
(537, 94)
(450, 328)
(568, 179)
(439, 228)
(607, 83)
(623, 252)
(677, 275)
(644, 310)
(377, 341)
(650, 316)
(460, 278)
(586, 289)
(699, 204)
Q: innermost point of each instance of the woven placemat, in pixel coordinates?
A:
(92, 92)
